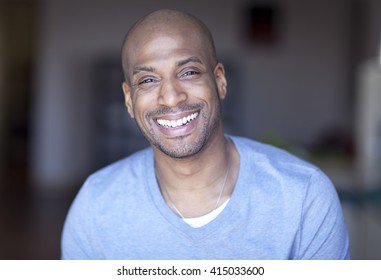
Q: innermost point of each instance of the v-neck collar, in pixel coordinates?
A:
(216, 226)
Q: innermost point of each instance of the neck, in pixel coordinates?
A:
(196, 184)
(197, 171)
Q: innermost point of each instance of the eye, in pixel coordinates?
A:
(146, 81)
(190, 73)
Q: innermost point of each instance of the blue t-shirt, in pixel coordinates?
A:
(281, 208)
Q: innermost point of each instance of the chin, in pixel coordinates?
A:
(180, 150)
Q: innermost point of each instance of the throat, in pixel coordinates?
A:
(196, 202)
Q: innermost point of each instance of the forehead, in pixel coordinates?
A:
(150, 44)
(159, 47)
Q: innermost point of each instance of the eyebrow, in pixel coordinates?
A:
(189, 59)
(138, 69)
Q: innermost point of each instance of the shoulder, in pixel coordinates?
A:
(281, 172)
(122, 178)
(263, 156)
(120, 172)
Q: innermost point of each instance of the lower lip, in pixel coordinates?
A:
(178, 131)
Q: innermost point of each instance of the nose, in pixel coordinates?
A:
(171, 93)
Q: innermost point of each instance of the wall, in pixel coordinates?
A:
(295, 90)
(16, 41)
(299, 90)
(2, 95)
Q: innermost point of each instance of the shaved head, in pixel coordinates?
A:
(168, 22)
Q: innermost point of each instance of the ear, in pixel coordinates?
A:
(128, 99)
(219, 76)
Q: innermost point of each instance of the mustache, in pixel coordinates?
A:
(173, 110)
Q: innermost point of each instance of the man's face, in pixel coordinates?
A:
(174, 92)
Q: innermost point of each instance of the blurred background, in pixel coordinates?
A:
(303, 75)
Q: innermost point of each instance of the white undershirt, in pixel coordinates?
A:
(203, 220)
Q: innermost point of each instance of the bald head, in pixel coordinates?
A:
(170, 22)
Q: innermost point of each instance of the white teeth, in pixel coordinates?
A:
(177, 123)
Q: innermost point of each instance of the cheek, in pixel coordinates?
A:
(203, 89)
(142, 105)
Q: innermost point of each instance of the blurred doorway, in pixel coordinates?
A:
(17, 35)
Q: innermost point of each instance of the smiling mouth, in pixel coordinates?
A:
(179, 122)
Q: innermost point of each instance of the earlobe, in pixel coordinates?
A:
(128, 99)
(219, 75)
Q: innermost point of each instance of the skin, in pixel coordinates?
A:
(171, 74)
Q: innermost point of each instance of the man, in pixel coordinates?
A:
(197, 193)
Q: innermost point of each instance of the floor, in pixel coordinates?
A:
(363, 219)
(30, 226)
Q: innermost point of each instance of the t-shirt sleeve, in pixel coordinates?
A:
(322, 234)
(76, 236)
